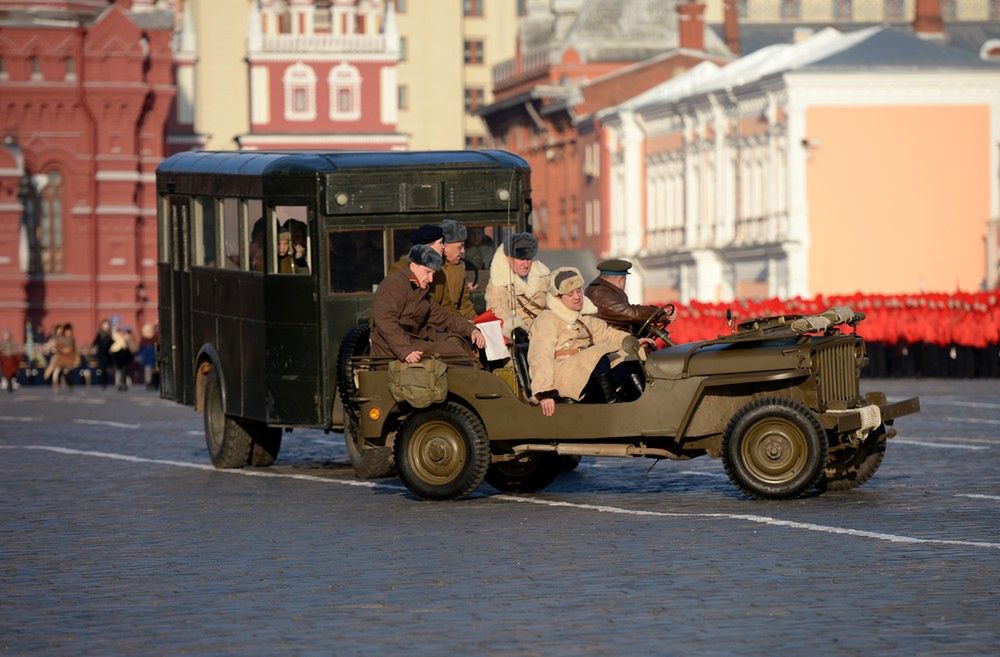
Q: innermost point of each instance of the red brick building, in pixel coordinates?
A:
(545, 99)
(86, 87)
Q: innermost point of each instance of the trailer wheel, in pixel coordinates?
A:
(266, 443)
(442, 453)
(774, 448)
(847, 469)
(528, 474)
(227, 440)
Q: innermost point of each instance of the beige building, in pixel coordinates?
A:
(447, 52)
(847, 11)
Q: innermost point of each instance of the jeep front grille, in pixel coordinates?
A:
(836, 368)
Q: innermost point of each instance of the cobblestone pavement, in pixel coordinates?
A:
(118, 538)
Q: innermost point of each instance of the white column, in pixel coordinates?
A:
(633, 183)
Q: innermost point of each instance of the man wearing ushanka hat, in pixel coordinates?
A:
(407, 324)
(518, 282)
(574, 354)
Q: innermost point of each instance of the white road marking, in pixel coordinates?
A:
(19, 418)
(698, 473)
(752, 518)
(195, 433)
(978, 496)
(108, 423)
(973, 420)
(903, 441)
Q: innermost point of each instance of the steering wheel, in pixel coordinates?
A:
(651, 328)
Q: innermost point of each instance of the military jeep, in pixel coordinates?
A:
(778, 400)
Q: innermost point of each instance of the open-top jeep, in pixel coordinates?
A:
(778, 400)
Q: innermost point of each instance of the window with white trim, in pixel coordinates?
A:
(345, 93)
(300, 93)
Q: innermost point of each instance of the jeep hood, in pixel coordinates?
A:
(714, 357)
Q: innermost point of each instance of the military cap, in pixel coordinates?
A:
(428, 234)
(453, 231)
(564, 280)
(614, 267)
(522, 246)
(425, 256)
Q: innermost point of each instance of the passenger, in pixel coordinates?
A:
(572, 352)
(256, 253)
(454, 270)
(285, 261)
(518, 283)
(300, 257)
(406, 323)
(607, 291)
(433, 236)
(479, 249)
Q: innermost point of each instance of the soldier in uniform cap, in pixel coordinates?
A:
(518, 282)
(607, 292)
(407, 323)
(457, 298)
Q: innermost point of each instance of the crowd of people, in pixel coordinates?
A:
(914, 335)
(116, 356)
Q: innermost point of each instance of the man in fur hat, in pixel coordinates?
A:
(518, 283)
(457, 299)
(572, 352)
(433, 236)
(407, 323)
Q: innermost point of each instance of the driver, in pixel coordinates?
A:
(607, 291)
(572, 351)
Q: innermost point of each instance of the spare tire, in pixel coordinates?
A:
(368, 462)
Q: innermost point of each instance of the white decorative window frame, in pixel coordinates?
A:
(297, 77)
(345, 77)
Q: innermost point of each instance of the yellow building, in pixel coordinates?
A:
(447, 52)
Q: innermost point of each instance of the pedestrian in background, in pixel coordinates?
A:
(65, 358)
(120, 352)
(100, 350)
(146, 354)
(10, 360)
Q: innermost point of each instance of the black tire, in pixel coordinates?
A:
(227, 441)
(528, 474)
(774, 448)
(849, 468)
(442, 453)
(368, 462)
(568, 462)
(266, 443)
(354, 343)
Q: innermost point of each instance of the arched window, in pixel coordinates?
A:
(345, 93)
(49, 231)
(300, 93)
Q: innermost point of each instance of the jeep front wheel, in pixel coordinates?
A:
(369, 462)
(442, 453)
(774, 448)
(849, 468)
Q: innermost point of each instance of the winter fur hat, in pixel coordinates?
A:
(522, 246)
(453, 231)
(427, 234)
(564, 280)
(423, 255)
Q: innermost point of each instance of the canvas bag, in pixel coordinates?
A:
(419, 384)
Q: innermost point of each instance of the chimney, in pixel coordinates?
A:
(731, 26)
(692, 25)
(927, 22)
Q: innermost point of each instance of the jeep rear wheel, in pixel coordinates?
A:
(530, 473)
(774, 448)
(369, 462)
(227, 440)
(442, 453)
(849, 468)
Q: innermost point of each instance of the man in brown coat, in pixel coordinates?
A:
(406, 323)
(432, 236)
(607, 291)
(572, 351)
(457, 299)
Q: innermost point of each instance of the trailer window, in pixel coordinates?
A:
(256, 235)
(230, 233)
(205, 233)
(291, 247)
(357, 260)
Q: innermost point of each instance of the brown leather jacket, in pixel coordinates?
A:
(613, 306)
